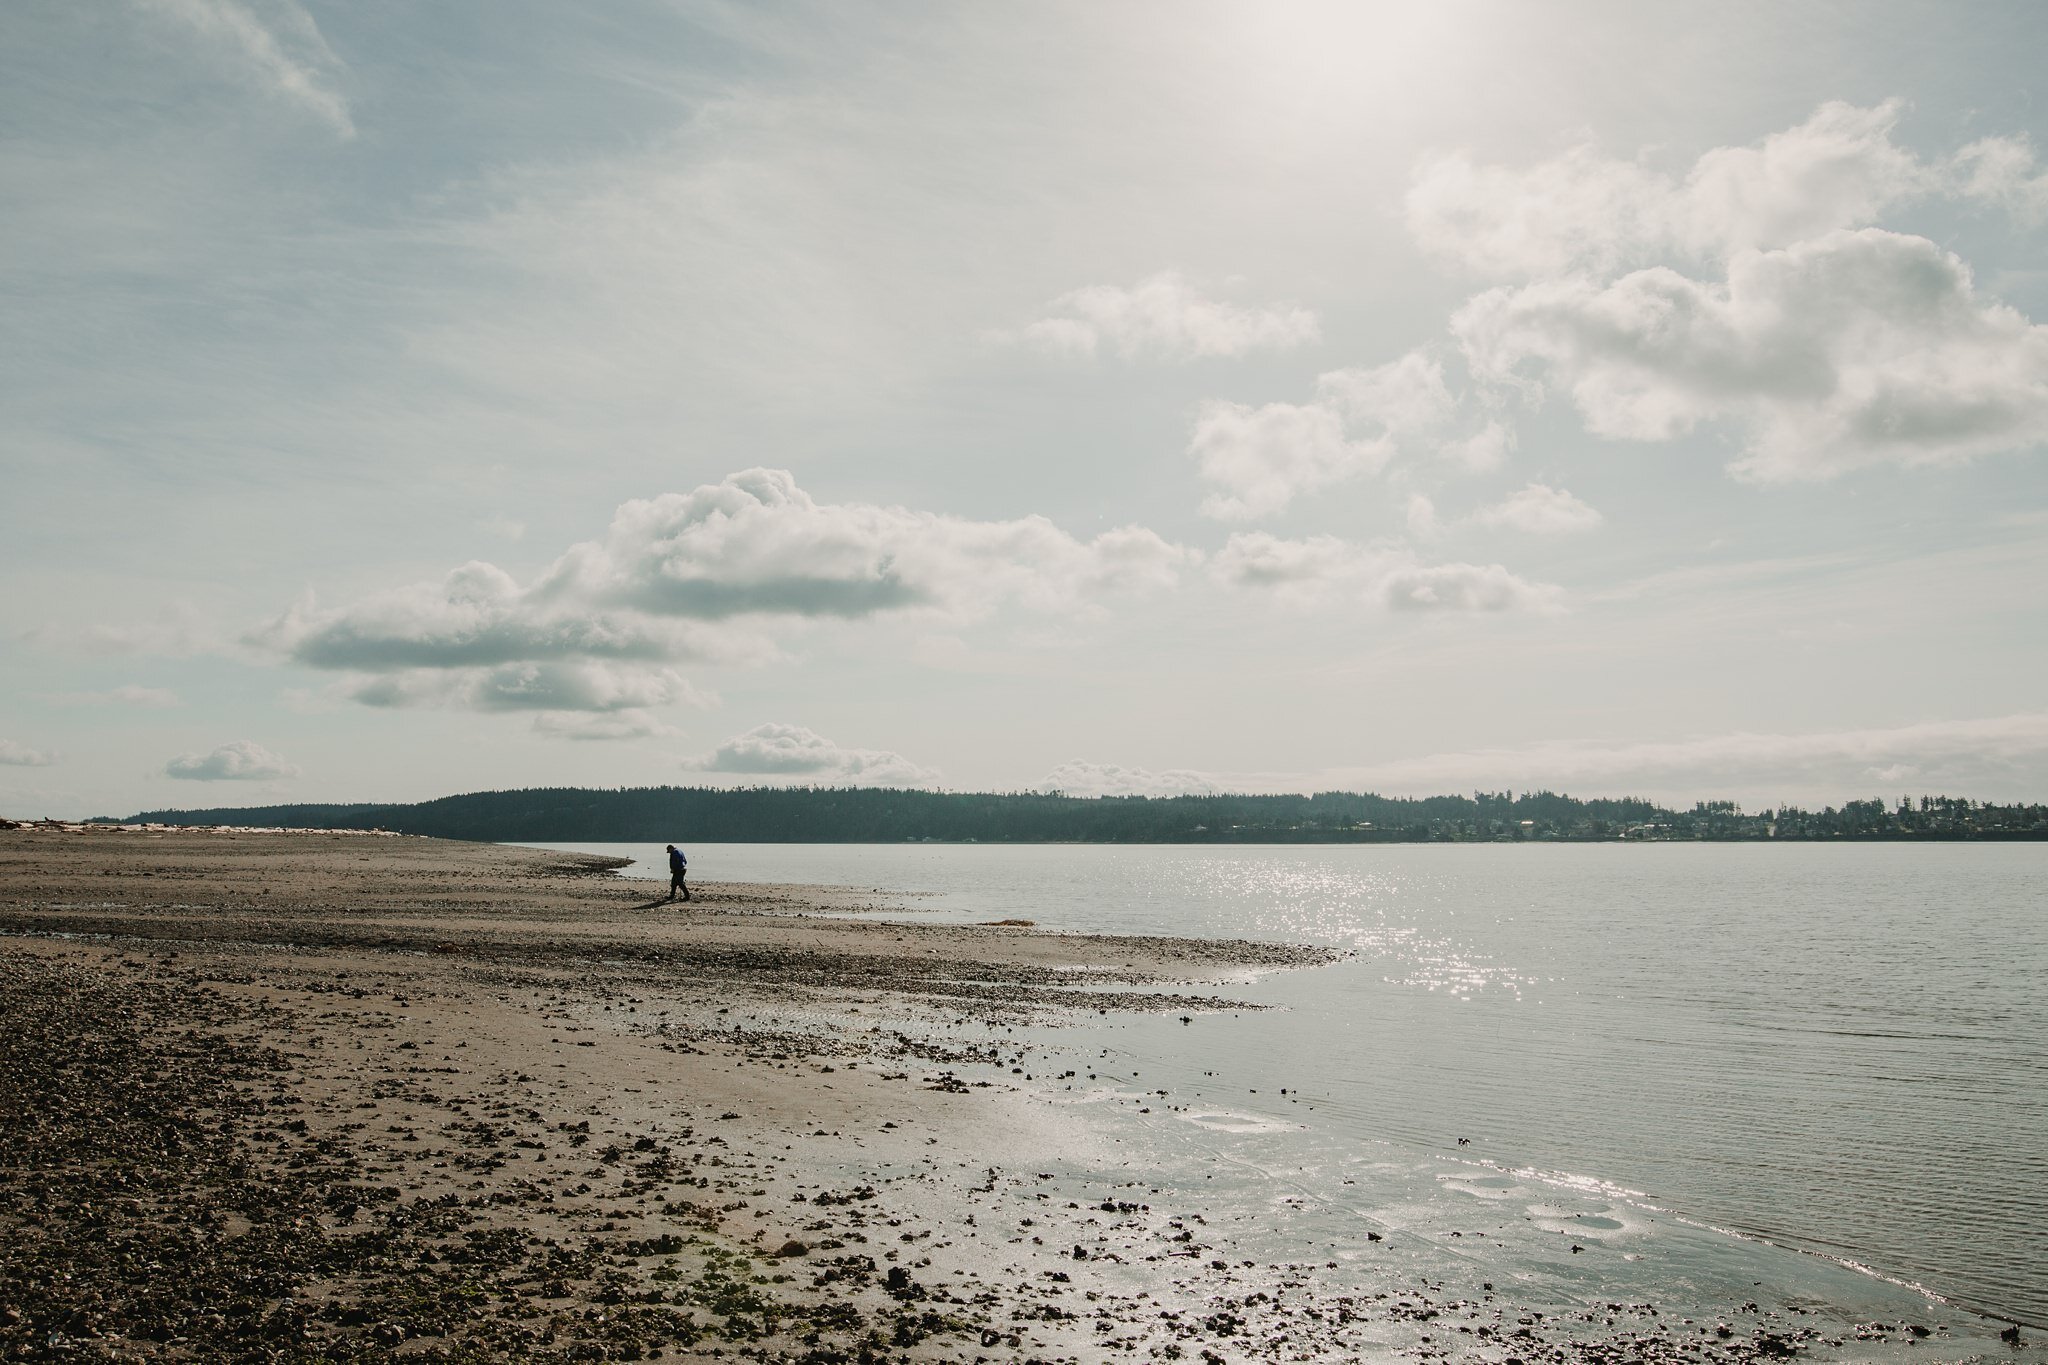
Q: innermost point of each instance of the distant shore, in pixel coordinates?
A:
(891, 815)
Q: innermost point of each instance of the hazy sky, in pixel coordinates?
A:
(404, 399)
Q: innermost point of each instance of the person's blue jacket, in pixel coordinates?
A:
(676, 861)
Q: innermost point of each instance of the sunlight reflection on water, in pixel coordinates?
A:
(1841, 1048)
(1400, 920)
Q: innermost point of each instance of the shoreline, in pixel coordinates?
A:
(485, 1102)
(1257, 838)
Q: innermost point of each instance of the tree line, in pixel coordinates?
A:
(894, 815)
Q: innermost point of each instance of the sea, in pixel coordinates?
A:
(1685, 1073)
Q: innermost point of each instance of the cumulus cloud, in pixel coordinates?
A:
(1400, 401)
(1320, 569)
(543, 685)
(1164, 317)
(155, 698)
(1486, 448)
(2003, 754)
(704, 576)
(1585, 211)
(1260, 459)
(755, 544)
(1079, 778)
(476, 617)
(15, 755)
(792, 751)
(1539, 510)
(274, 45)
(238, 760)
(2004, 170)
(1751, 288)
(1577, 209)
(1856, 348)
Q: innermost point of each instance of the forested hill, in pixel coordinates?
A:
(886, 815)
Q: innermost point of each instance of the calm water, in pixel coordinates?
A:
(1682, 1057)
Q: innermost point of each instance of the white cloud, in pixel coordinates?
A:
(540, 685)
(2004, 171)
(611, 725)
(1539, 510)
(1486, 448)
(1079, 778)
(1165, 317)
(756, 545)
(1854, 349)
(1262, 457)
(1400, 400)
(2005, 753)
(1420, 513)
(1462, 587)
(1302, 569)
(1586, 211)
(21, 756)
(1838, 169)
(286, 56)
(475, 617)
(238, 760)
(701, 577)
(1581, 208)
(1832, 345)
(792, 751)
(155, 698)
(1321, 569)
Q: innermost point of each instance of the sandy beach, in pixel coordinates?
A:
(342, 1096)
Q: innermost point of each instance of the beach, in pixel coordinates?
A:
(343, 1095)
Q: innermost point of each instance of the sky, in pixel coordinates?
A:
(400, 400)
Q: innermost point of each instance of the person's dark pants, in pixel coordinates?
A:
(675, 884)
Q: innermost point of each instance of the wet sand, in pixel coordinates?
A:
(348, 1096)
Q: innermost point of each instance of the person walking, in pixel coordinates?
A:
(678, 868)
